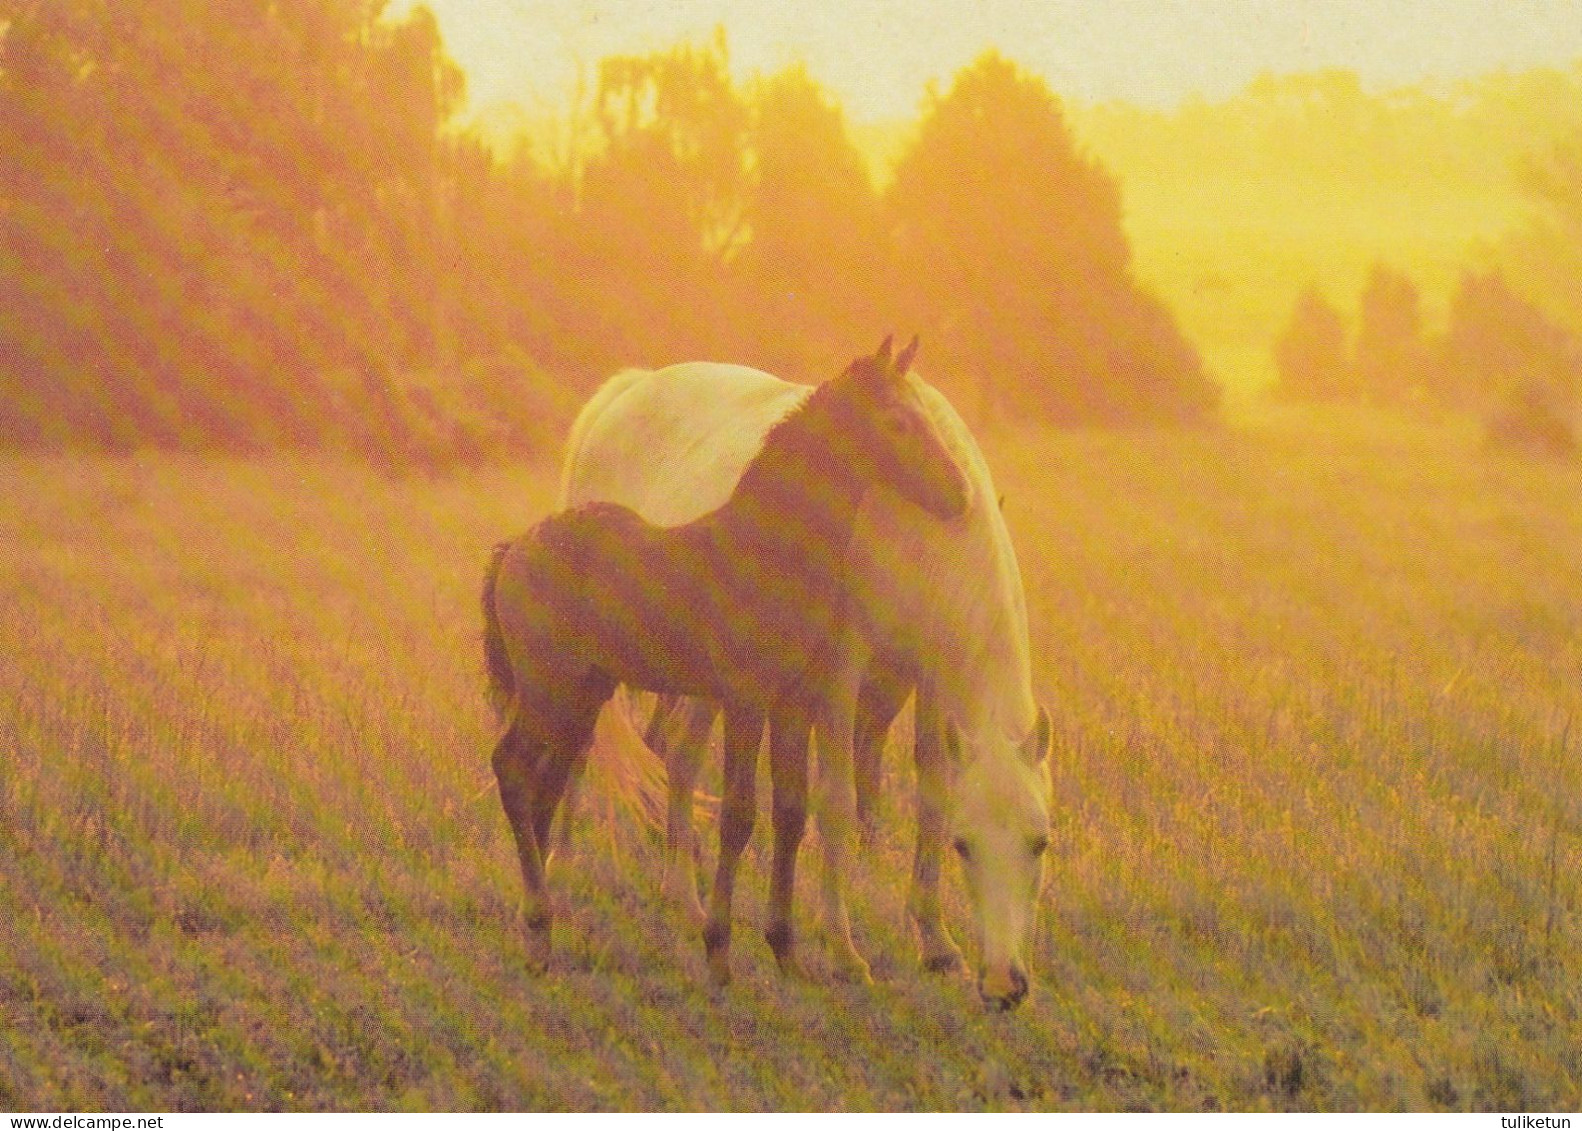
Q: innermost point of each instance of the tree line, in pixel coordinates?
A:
(1500, 355)
(225, 223)
(1510, 348)
(1237, 204)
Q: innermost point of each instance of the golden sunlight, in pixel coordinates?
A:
(877, 55)
(1149, 89)
(1189, 638)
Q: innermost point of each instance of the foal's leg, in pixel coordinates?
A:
(788, 738)
(743, 734)
(836, 818)
(559, 773)
(681, 738)
(516, 762)
(940, 954)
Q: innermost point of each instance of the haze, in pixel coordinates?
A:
(877, 55)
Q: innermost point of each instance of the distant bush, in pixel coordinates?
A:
(1310, 354)
(1389, 355)
(1530, 423)
(362, 276)
(499, 407)
(1499, 356)
(1500, 349)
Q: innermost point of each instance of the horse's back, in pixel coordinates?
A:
(945, 600)
(671, 443)
(607, 394)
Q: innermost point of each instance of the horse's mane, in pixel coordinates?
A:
(796, 439)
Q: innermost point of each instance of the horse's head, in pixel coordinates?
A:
(1000, 831)
(893, 438)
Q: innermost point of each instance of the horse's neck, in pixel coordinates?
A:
(990, 690)
(958, 605)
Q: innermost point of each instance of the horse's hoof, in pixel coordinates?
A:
(683, 896)
(853, 971)
(944, 962)
(790, 969)
(691, 912)
(537, 956)
(720, 969)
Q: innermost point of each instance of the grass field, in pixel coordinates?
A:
(1318, 726)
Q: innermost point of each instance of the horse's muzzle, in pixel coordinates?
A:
(1005, 992)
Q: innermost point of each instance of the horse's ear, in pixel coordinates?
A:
(903, 363)
(1035, 747)
(883, 356)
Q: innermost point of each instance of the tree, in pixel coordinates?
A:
(1546, 258)
(659, 212)
(1013, 262)
(221, 202)
(1498, 346)
(815, 257)
(1389, 356)
(1310, 354)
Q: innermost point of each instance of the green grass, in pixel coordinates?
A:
(1314, 684)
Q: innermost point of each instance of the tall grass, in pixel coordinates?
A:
(1316, 779)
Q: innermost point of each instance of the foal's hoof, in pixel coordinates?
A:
(537, 941)
(717, 949)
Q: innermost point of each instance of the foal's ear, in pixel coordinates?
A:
(1035, 747)
(903, 362)
(883, 356)
(952, 744)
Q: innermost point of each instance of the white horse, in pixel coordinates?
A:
(939, 607)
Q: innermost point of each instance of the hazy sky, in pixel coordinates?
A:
(876, 55)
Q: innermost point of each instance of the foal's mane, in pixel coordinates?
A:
(799, 440)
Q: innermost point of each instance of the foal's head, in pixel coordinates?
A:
(886, 435)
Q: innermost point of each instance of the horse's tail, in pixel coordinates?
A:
(497, 661)
(606, 395)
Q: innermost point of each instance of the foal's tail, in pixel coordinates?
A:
(497, 661)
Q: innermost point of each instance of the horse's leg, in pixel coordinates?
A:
(940, 954)
(744, 731)
(684, 739)
(837, 816)
(654, 733)
(515, 769)
(788, 739)
(877, 705)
